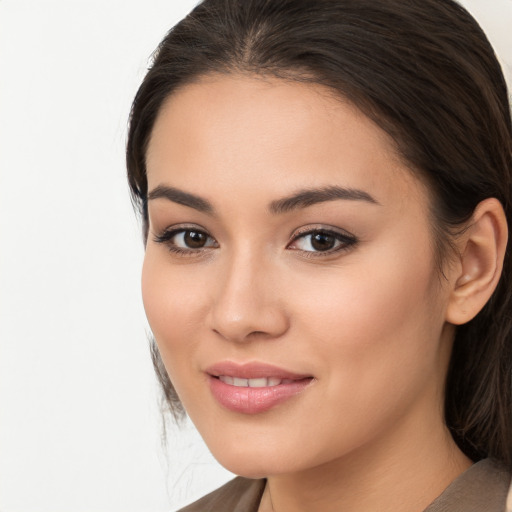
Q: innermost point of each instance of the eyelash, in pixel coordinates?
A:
(344, 241)
(167, 236)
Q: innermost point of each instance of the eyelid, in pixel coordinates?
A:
(348, 240)
(166, 235)
(314, 228)
(345, 240)
(182, 227)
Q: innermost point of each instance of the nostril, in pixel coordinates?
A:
(255, 334)
(242, 321)
(240, 336)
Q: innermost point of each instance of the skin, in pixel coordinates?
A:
(368, 322)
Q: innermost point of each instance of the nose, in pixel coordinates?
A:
(247, 303)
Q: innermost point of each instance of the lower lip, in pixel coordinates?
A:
(248, 400)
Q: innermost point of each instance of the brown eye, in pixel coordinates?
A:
(322, 241)
(183, 240)
(194, 239)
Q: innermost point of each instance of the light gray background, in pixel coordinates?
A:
(79, 426)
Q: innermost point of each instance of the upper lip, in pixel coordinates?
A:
(252, 370)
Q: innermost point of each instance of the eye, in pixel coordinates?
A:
(186, 240)
(192, 239)
(322, 241)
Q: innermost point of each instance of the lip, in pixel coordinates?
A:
(254, 400)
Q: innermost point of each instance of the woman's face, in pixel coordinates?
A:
(289, 277)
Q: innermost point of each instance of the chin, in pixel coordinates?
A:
(254, 461)
(248, 468)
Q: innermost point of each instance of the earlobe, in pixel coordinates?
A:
(482, 250)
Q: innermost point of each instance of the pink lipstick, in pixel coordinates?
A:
(253, 387)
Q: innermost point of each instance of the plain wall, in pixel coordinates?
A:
(79, 422)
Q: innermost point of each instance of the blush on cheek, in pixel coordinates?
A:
(174, 302)
(162, 286)
(374, 323)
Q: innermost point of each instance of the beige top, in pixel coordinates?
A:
(482, 488)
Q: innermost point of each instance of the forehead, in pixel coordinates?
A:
(229, 133)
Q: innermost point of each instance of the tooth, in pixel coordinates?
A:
(226, 379)
(261, 382)
(258, 383)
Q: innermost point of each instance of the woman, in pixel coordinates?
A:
(326, 189)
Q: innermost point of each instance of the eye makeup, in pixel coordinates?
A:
(311, 241)
(321, 241)
(186, 240)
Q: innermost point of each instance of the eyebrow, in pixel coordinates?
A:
(180, 197)
(300, 199)
(309, 197)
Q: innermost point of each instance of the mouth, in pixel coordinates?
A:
(254, 387)
(263, 382)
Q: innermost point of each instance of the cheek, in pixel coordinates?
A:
(171, 298)
(378, 321)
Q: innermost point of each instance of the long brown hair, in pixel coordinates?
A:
(424, 71)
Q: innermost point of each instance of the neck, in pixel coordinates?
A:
(386, 476)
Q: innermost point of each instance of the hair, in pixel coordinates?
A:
(424, 71)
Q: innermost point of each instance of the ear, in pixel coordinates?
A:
(482, 250)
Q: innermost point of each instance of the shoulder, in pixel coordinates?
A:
(484, 486)
(238, 495)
